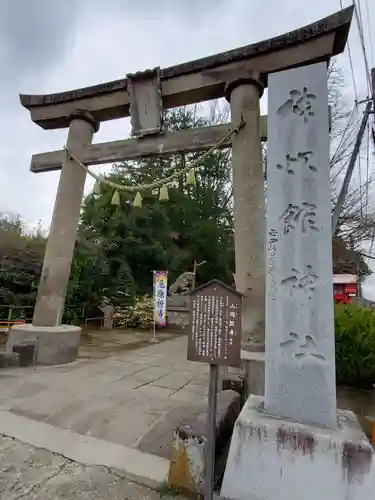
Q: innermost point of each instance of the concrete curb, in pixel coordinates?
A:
(142, 468)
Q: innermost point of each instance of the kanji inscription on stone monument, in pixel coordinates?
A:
(300, 355)
(215, 325)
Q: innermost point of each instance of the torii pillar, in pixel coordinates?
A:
(239, 75)
(244, 95)
(58, 343)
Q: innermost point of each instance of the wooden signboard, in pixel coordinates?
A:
(214, 338)
(215, 325)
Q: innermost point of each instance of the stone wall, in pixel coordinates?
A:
(178, 310)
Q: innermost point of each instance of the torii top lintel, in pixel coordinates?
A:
(202, 79)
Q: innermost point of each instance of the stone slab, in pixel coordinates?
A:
(34, 474)
(158, 440)
(190, 393)
(174, 381)
(187, 450)
(300, 350)
(117, 399)
(275, 459)
(189, 421)
(140, 467)
(56, 344)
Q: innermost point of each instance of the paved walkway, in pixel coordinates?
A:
(116, 399)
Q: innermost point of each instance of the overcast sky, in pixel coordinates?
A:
(54, 45)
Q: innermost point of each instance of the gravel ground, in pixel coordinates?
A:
(32, 474)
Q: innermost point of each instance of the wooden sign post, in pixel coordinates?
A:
(214, 338)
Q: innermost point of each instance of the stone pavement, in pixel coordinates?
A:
(117, 399)
(31, 474)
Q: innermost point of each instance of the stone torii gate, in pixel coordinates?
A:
(240, 75)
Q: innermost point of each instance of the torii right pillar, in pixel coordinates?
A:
(244, 95)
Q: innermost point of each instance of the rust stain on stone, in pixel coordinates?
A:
(356, 461)
(295, 440)
(260, 432)
(180, 475)
(247, 432)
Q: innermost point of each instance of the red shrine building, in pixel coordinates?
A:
(345, 288)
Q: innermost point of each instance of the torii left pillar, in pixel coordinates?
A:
(244, 95)
(57, 343)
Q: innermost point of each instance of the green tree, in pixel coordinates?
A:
(195, 223)
(21, 257)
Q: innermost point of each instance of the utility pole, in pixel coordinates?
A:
(348, 175)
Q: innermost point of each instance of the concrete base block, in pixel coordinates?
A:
(57, 345)
(276, 459)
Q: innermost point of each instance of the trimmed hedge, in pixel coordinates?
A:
(355, 346)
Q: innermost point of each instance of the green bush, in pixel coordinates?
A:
(355, 346)
(140, 315)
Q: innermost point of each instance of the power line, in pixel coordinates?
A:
(345, 185)
(352, 70)
(358, 16)
(351, 63)
(369, 32)
(367, 165)
(343, 134)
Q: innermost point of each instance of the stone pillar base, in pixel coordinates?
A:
(276, 459)
(56, 345)
(252, 370)
(254, 365)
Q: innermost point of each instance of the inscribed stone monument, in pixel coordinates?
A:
(294, 444)
(300, 351)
